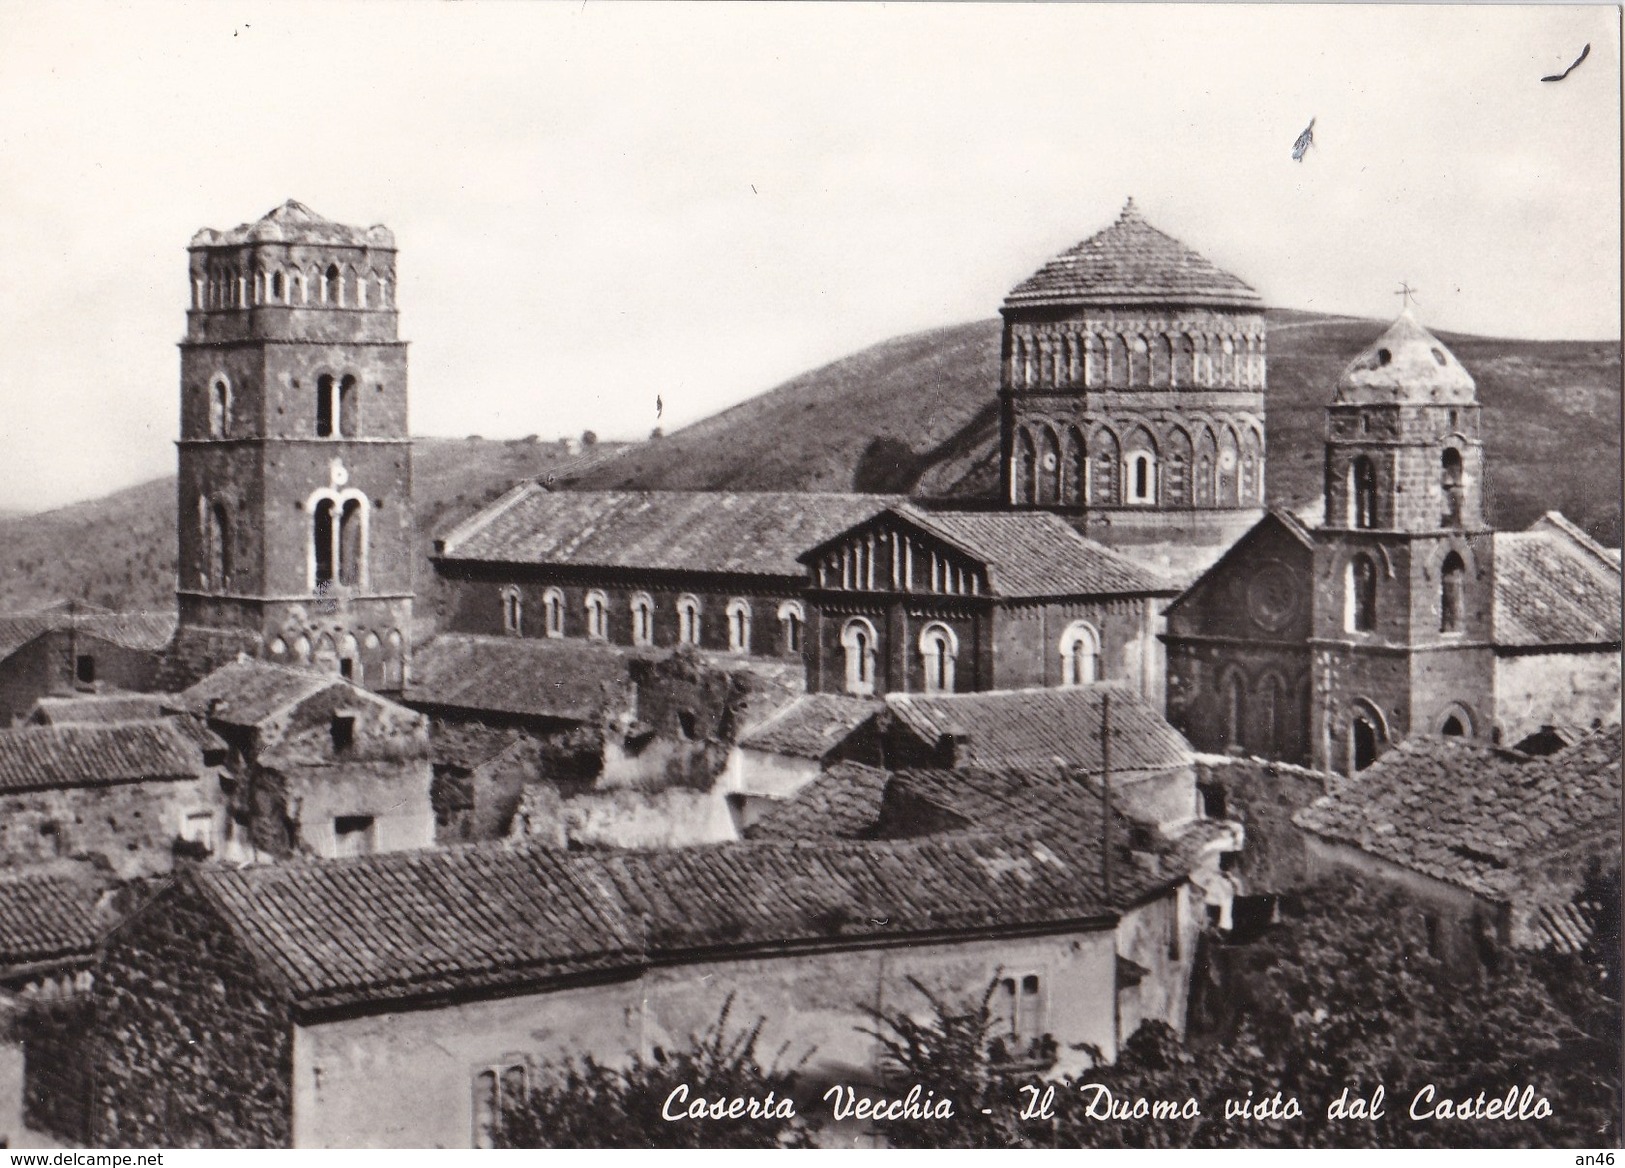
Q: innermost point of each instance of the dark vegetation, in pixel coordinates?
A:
(918, 414)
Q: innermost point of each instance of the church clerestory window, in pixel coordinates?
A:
(858, 641)
(939, 651)
(1080, 654)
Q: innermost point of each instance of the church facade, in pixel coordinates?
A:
(1322, 640)
(295, 479)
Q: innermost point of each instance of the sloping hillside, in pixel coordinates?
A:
(917, 414)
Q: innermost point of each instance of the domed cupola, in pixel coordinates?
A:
(1406, 364)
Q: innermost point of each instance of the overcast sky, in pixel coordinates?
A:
(598, 203)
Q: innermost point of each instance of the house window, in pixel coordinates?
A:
(513, 612)
(553, 612)
(197, 828)
(84, 669)
(497, 1090)
(1019, 1009)
(353, 835)
(643, 619)
(738, 626)
(1080, 654)
(939, 649)
(793, 626)
(1140, 478)
(688, 620)
(1360, 595)
(342, 731)
(858, 640)
(1362, 493)
(597, 608)
(1452, 580)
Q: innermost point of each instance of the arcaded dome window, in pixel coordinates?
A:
(858, 641)
(553, 612)
(643, 619)
(1360, 595)
(738, 625)
(688, 620)
(1140, 478)
(1080, 654)
(939, 651)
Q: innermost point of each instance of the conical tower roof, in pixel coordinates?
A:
(293, 222)
(1131, 262)
(1406, 364)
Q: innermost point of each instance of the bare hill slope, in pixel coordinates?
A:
(916, 413)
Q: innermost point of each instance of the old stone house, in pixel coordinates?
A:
(717, 571)
(1494, 846)
(919, 600)
(125, 794)
(77, 648)
(317, 765)
(1323, 638)
(394, 1000)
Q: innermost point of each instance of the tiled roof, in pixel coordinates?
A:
(1131, 262)
(414, 924)
(778, 892)
(1033, 554)
(527, 676)
(756, 534)
(811, 726)
(841, 803)
(1015, 800)
(111, 707)
(1042, 727)
(56, 757)
(485, 918)
(1554, 586)
(132, 630)
(293, 222)
(246, 693)
(1472, 815)
(48, 916)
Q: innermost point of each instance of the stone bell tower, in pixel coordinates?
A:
(295, 485)
(1404, 563)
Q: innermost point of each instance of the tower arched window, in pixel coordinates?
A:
(1451, 480)
(349, 407)
(1024, 468)
(688, 620)
(1360, 595)
(220, 407)
(858, 641)
(513, 612)
(1080, 654)
(394, 661)
(338, 544)
(1140, 478)
(792, 627)
(324, 406)
(217, 547)
(1366, 736)
(330, 285)
(939, 651)
(553, 612)
(739, 625)
(596, 606)
(643, 619)
(1362, 493)
(1452, 593)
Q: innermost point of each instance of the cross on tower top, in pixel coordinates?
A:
(1407, 292)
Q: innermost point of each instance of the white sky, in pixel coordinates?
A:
(596, 203)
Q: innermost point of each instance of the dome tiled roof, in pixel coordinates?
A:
(1131, 262)
(1406, 363)
(293, 222)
